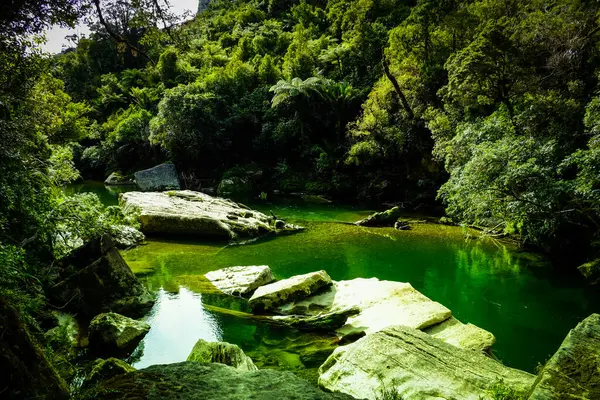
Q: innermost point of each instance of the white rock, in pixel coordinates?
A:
(417, 366)
(295, 288)
(186, 212)
(381, 304)
(465, 336)
(240, 281)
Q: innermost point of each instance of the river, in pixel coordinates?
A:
(513, 294)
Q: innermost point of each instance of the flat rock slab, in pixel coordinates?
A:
(161, 177)
(194, 380)
(465, 336)
(380, 304)
(185, 212)
(240, 281)
(298, 287)
(573, 372)
(416, 365)
(222, 353)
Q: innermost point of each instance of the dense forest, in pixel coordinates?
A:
(486, 108)
(483, 112)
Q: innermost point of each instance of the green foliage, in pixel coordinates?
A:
(79, 218)
(488, 105)
(167, 66)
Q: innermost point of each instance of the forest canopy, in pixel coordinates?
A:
(485, 110)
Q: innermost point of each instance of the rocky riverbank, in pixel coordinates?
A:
(393, 339)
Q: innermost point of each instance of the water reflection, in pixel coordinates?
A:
(177, 322)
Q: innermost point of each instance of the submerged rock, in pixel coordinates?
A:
(103, 370)
(186, 212)
(161, 177)
(222, 353)
(116, 178)
(194, 380)
(417, 366)
(318, 323)
(111, 332)
(384, 218)
(240, 281)
(96, 279)
(298, 287)
(573, 372)
(380, 304)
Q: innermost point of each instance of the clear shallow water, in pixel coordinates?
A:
(512, 294)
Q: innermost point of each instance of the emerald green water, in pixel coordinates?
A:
(512, 294)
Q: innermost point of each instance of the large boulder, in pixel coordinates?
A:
(116, 178)
(573, 372)
(380, 304)
(114, 333)
(186, 212)
(96, 279)
(384, 218)
(296, 288)
(161, 177)
(194, 380)
(416, 366)
(222, 353)
(240, 281)
(102, 370)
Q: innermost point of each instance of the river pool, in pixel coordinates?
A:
(515, 295)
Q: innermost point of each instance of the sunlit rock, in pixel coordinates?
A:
(380, 304)
(295, 288)
(126, 236)
(240, 281)
(186, 212)
(112, 332)
(465, 336)
(222, 353)
(416, 366)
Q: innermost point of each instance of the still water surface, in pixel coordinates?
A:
(510, 293)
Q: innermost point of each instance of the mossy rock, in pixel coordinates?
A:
(591, 271)
(384, 218)
(103, 370)
(115, 333)
(195, 380)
